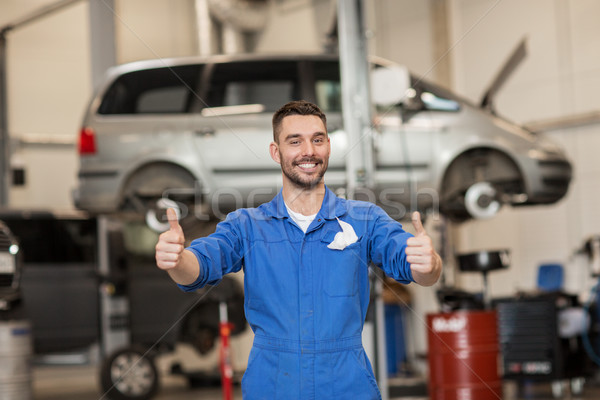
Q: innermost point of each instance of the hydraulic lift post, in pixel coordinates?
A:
(114, 303)
(360, 165)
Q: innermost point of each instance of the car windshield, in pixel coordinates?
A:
(432, 97)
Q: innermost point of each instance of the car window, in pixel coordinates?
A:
(266, 83)
(162, 100)
(435, 102)
(328, 88)
(266, 93)
(153, 91)
(433, 98)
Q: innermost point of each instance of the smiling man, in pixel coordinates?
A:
(306, 257)
(311, 160)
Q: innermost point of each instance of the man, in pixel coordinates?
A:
(305, 257)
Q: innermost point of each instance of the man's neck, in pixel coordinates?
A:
(302, 200)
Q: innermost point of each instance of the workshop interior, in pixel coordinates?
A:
(481, 115)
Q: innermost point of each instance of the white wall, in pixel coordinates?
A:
(48, 73)
(402, 32)
(293, 26)
(146, 29)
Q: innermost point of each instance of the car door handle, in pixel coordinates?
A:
(206, 131)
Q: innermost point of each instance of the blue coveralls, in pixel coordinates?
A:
(306, 303)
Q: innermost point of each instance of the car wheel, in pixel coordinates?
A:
(129, 374)
(156, 187)
(152, 219)
(481, 200)
(478, 183)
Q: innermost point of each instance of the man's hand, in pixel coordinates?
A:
(169, 248)
(425, 263)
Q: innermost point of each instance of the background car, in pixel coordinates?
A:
(11, 267)
(196, 130)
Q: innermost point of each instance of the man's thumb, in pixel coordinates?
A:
(173, 221)
(416, 221)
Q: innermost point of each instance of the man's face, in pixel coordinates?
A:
(303, 150)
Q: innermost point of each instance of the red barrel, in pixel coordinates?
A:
(463, 356)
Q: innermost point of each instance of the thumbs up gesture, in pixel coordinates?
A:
(169, 248)
(425, 263)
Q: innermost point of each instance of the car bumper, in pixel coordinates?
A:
(552, 181)
(96, 193)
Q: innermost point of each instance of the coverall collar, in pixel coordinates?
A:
(330, 209)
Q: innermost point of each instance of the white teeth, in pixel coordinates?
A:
(307, 165)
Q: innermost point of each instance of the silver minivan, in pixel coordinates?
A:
(196, 131)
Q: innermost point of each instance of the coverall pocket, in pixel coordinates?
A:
(258, 381)
(341, 274)
(271, 375)
(352, 376)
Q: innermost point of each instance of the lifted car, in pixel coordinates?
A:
(196, 131)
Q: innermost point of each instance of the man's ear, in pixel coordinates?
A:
(274, 151)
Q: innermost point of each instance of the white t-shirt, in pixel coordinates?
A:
(303, 221)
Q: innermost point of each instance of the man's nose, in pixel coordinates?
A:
(308, 149)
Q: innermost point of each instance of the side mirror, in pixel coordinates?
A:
(389, 85)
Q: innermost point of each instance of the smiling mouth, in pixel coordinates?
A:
(307, 165)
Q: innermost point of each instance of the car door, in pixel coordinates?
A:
(232, 128)
(403, 155)
(142, 113)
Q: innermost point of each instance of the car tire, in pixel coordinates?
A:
(152, 219)
(153, 188)
(129, 374)
(477, 183)
(481, 201)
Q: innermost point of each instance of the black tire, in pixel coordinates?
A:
(129, 374)
(145, 187)
(481, 201)
(469, 181)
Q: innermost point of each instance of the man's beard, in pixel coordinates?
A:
(303, 182)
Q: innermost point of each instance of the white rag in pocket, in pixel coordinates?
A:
(344, 238)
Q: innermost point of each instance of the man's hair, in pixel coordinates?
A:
(298, 107)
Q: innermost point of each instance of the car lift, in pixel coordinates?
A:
(114, 304)
(356, 106)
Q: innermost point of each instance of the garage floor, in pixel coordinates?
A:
(80, 383)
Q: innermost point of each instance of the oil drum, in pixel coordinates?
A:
(463, 356)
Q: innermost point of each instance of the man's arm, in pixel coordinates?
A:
(181, 265)
(425, 262)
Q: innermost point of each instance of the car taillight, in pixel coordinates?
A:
(87, 141)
